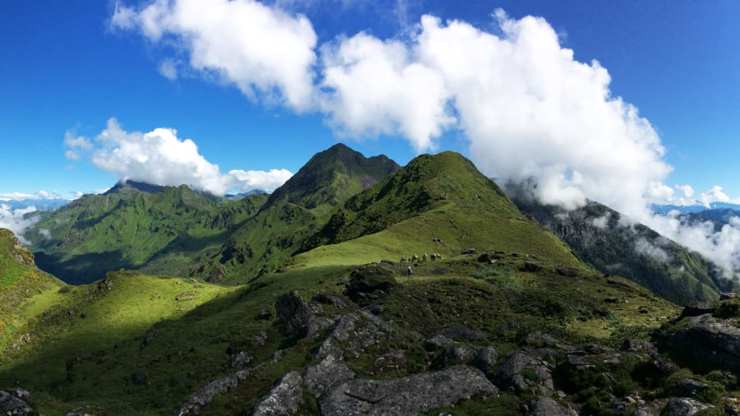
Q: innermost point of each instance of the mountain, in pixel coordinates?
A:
(164, 230)
(694, 208)
(428, 292)
(296, 210)
(613, 244)
(719, 217)
(243, 195)
(421, 209)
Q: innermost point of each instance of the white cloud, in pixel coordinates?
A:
(258, 48)
(247, 180)
(686, 190)
(168, 69)
(22, 196)
(376, 87)
(17, 220)
(160, 157)
(646, 248)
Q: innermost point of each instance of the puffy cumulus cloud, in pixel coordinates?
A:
(75, 145)
(17, 220)
(160, 157)
(715, 194)
(266, 180)
(530, 110)
(258, 48)
(157, 157)
(378, 87)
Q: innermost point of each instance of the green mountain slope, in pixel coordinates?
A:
(298, 209)
(20, 281)
(436, 204)
(522, 313)
(163, 230)
(601, 237)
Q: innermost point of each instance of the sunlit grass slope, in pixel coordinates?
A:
(436, 204)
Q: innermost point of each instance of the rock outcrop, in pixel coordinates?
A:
(406, 396)
(15, 403)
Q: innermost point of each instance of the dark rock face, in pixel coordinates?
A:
(704, 342)
(681, 406)
(406, 396)
(296, 318)
(370, 283)
(522, 372)
(485, 360)
(285, 398)
(545, 406)
(14, 403)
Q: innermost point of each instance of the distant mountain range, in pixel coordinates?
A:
(696, 208)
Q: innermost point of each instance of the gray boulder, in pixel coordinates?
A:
(523, 372)
(14, 403)
(327, 373)
(683, 406)
(406, 396)
(296, 318)
(705, 341)
(545, 406)
(285, 398)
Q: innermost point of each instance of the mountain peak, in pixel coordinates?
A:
(134, 186)
(333, 175)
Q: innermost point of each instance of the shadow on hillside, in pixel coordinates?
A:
(142, 369)
(82, 269)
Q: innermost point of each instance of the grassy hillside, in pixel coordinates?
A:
(602, 238)
(141, 345)
(20, 282)
(299, 208)
(163, 230)
(436, 204)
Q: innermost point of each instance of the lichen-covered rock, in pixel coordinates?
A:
(683, 406)
(207, 393)
(456, 355)
(352, 334)
(522, 372)
(14, 403)
(704, 342)
(406, 396)
(545, 406)
(327, 373)
(285, 398)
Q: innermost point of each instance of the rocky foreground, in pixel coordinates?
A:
(363, 363)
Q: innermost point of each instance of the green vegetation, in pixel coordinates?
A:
(20, 281)
(162, 230)
(437, 204)
(451, 255)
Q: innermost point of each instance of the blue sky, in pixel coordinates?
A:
(62, 68)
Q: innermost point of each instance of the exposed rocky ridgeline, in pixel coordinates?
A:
(613, 244)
